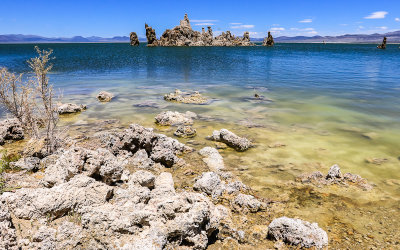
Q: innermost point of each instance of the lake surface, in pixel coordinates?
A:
(328, 104)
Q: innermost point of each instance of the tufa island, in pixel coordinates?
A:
(184, 35)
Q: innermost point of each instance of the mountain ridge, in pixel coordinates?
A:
(393, 37)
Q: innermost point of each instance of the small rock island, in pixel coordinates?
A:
(184, 35)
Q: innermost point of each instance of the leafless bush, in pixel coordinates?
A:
(32, 102)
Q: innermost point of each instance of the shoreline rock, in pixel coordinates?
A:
(269, 40)
(298, 232)
(232, 140)
(185, 131)
(10, 130)
(70, 108)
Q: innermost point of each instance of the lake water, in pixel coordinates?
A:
(333, 103)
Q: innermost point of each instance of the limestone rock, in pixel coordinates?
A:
(69, 108)
(232, 140)
(80, 191)
(184, 35)
(212, 158)
(185, 131)
(247, 202)
(151, 36)
(10, 129)
(298, 232)
(210, 183)
(269, 40)
(134, 40)
(170, 118)
(27, 163)
(383, 45)
(189, 98)
(8, 236)
(159, 148)
(334, 172)
(104, 96)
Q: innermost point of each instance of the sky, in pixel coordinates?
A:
(108, 18)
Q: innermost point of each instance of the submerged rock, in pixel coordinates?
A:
(383, 44)
(69, 108)
(104, 96)
(170, 118)
(10, 130)
(298, 232)
(232, 140)
(179, 96)
(269, 40)
(185, 131)
(334, 176)
(134, 40)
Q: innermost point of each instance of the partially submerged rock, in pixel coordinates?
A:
(247, 203)
(104, 96)
(170, 118)
(134, 40)
(298, 232)
(69, 108)
(383, 44)
(10, 130)
(334, 176)
(269, 40)
(232, 140)
(189, 98)
(185, 131)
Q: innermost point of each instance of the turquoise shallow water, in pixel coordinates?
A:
(333, 103)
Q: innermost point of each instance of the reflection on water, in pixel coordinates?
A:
(323, 105)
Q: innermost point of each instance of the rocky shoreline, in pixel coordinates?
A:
(134, 189)
(184, 35)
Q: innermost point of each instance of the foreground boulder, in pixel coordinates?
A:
(69, 108)
(189, 98)
(104, 96)
(159, 148)
(298, 232)
(269, 40)
(145, 213)
(232, 140)
(10, 129)
(134, 40)
(170, 118)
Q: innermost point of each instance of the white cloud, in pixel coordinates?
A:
(277, 29)
(307, 31)
(203, 21)
(243, 26)
(344, 24)
(397, 19)
(312, 32)
(204, 24)
(235, 23)
(382, 28)
(361, 27)
(377, 15)
(306, 21)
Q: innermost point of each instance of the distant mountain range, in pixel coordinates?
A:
(392, 37)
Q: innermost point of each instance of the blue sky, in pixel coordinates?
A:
(107, 18)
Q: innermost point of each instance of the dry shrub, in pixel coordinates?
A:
(32, 101)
